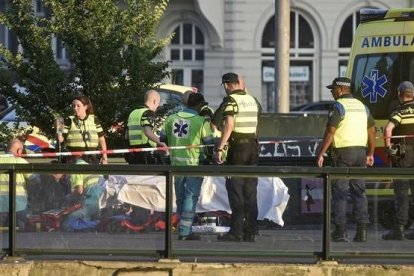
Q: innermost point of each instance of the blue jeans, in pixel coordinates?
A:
(187, 191)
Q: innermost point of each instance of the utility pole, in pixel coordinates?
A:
(282, 41)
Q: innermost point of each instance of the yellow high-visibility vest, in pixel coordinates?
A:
(246, 117)
(352, 130)
(81, 132)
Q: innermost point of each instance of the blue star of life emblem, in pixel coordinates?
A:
(180, 128)
(374, 86)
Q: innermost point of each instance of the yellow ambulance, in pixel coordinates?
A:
(382, 56)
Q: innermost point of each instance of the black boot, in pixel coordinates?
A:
(339, 234)
(397, 233)
(361, 233)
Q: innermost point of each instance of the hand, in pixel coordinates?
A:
(370, 160)
(320, 160)
(391, 151)
(218, 157)
(104, 160)
(163, 145)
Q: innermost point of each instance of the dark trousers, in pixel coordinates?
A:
(242, 192)
(143, 157)
(341, 188)
(401, 188)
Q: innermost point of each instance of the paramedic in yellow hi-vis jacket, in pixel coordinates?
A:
(140, 131)
(350, 129)
(187, 128)
(240, 112)
(14, 147)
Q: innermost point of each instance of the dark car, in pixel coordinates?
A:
(321, 107)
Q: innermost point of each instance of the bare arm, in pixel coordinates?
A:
(102, 145)
(327, 141)
(150, 134)
(371, 146)
(225, 136)
(388, 133)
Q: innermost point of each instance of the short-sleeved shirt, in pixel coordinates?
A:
(230, 106)
(403, 119)
(336, 114)
(148, 118)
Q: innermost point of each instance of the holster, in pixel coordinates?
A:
(402, 149)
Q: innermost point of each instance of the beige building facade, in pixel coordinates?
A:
(213, 37)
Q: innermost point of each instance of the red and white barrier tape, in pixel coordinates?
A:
(98, 152)
(117, 151)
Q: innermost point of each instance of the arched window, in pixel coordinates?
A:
(187, 55)
(302, 58)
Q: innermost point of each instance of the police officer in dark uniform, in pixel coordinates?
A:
(240, 114)
(400, 151)
(349, 129)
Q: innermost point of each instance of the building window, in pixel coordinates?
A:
(187, 43)
(40, 8)
(302, 59)
(187, 55)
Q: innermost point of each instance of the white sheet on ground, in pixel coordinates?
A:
(149, 192)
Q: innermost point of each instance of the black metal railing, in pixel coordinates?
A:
(169, 251)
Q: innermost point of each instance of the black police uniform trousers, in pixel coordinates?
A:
(349, 157)
(143, 157)
(402, 186)
(242, 192)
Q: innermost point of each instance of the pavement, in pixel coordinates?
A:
(284, 242)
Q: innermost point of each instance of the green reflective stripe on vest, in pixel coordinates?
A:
(352, 130)
(186, 129)
(136, 134)
(76, 132)
(246, 119)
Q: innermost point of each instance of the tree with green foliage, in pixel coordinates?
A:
(112, 46)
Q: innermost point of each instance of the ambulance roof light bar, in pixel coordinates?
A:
(372, 14)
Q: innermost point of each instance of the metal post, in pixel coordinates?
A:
(12, 212)
(282, 41)
(168, 216)
(326, 218)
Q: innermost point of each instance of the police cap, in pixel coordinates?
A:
(341, 81)
(229, 77)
